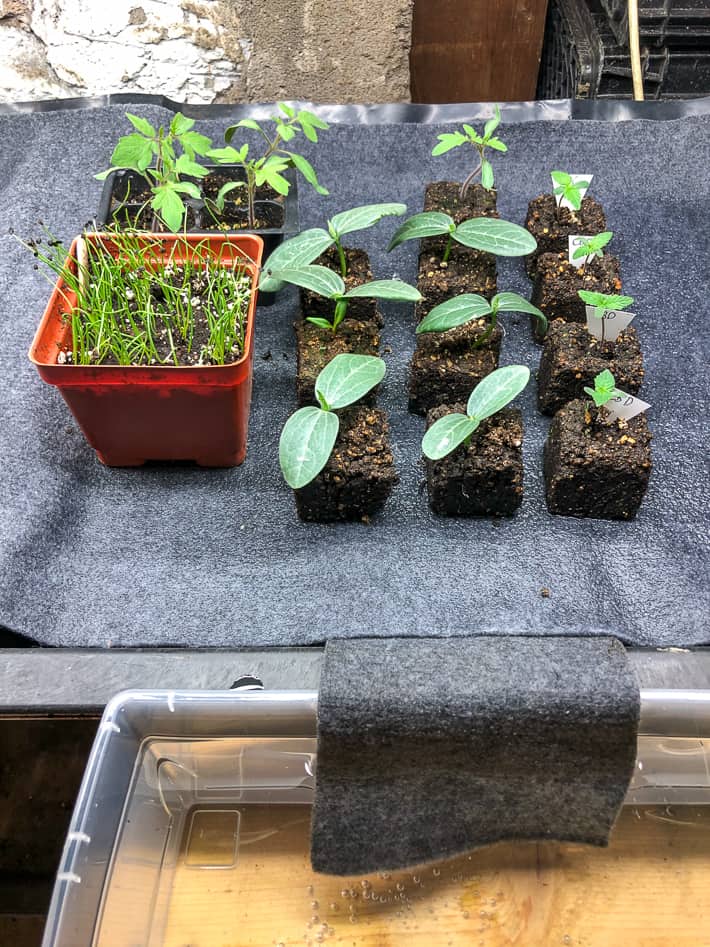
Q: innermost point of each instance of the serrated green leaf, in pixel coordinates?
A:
(170, 206)
(360, 218)
(386, 289)
(446, 434)
(308, 171)
(306, 443)
(486, 174)
(270, 174)
(427, 224)
(141, 125)
(497, 390)
(185, 165)
(309, 131)
(447, 141)
(455, 312)
(593, 246)
(286, 131)
(605, 300)
(299, 251)
(187, 187)
(347, 378)
(228, 155)
(199, 144)
(305, 116)
(132, 151)
(181, 124)
(286, 109)
(496, 144)
(512, 302)
(319, 279)
(495, 236)
(470, 131)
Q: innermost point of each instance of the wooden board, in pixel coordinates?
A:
(650, 888)
(480, 51)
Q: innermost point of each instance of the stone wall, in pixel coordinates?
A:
(202, 51)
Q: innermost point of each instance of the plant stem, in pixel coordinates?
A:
(251, 194)
(343, 261)
(467, 183)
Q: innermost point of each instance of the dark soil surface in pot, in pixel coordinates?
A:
(558, 282)
(572, 357)
(445, 196)
(315, 347)
(360, 474)
(483, 477)
(593, 468)
(552, 225)
(447, 366)
(268, 215)
(439, 281)
(358, 270)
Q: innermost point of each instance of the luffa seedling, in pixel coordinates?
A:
(159, 147)
(450, 140)
(568, 188)
(594, 247)
(604, 388)
(469, 306)
(307, 246)
(488, 234)
(488, 397)
(604, 303)
(309, 435)
(268, 167)
(326, 283)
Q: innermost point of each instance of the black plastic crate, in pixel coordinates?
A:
(662, 22)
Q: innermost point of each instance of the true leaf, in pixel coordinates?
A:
(319, 279)
(455, 312)
(227, 188)
(492, 123)
(360, 218)
(496, 144)
(170, 206)
(497, 390)
(286, 109)
(427, 224)
(300, 250)
(132, 151)
(604, 300)
(308, 172)
(306, 443)
(185, 165)
(447, 141)
(187, 187)
(593, 246)
(141, 125)
(347, 378)
(181, 124)
(561, 178)
(246, 123)
(386, 289)
(200, 144)
(446, 434)
(495, 236)
(308, 118)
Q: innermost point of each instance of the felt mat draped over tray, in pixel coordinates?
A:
(91, 556)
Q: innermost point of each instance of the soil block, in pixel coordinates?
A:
(439, 281)
(572, 358)
(360, 474)
(359, 272)
(443, 196)
(594, 468)
(551, 226)
(483, 477)
(557, 283)
(447, 366)
(315, 347)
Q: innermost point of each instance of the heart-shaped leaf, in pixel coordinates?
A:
(495, 236)
(319, 279)
(299, 251)
(497, 390)
(455, 312)
(386, 289)
(347, 378)
(428, 224)
(360, 218)
(446, 434)
(306, 443)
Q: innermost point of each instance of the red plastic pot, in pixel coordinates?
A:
(134, 414)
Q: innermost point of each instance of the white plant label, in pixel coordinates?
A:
(613, 322)
(574, 241)
(625, 406)
(576, 178)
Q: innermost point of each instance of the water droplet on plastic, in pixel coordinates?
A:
(399, 886)
(436, 872)
(314, 905)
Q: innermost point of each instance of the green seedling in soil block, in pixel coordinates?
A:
(159, 147)
(488, 397)
(604, 388)
(593, 247)
(450, 140)
(309, 435)
(469, 306)
(567, 189)
(307, 246)
(488, 234)
(324, 282)
(603, 303)
(268, 167)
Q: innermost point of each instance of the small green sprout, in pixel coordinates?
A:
(148, 146)
(489, 396)
(593, 247)
(268, 167)
(308, 245)
(603, 303)
(309, 435)
(469, 306)
(324, 282)
(480, 233)
(604, 388)
(568, 189)
(450, 140)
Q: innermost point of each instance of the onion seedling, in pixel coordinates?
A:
(307, 246)
(137, 151)
(469, 306)
(604, 388)
(568, 189)
(449, 140)
(269, 166)
(489, 396)
(324, 282)
(488, 234)
(309, 435)
(603, 303)
(593, 247)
